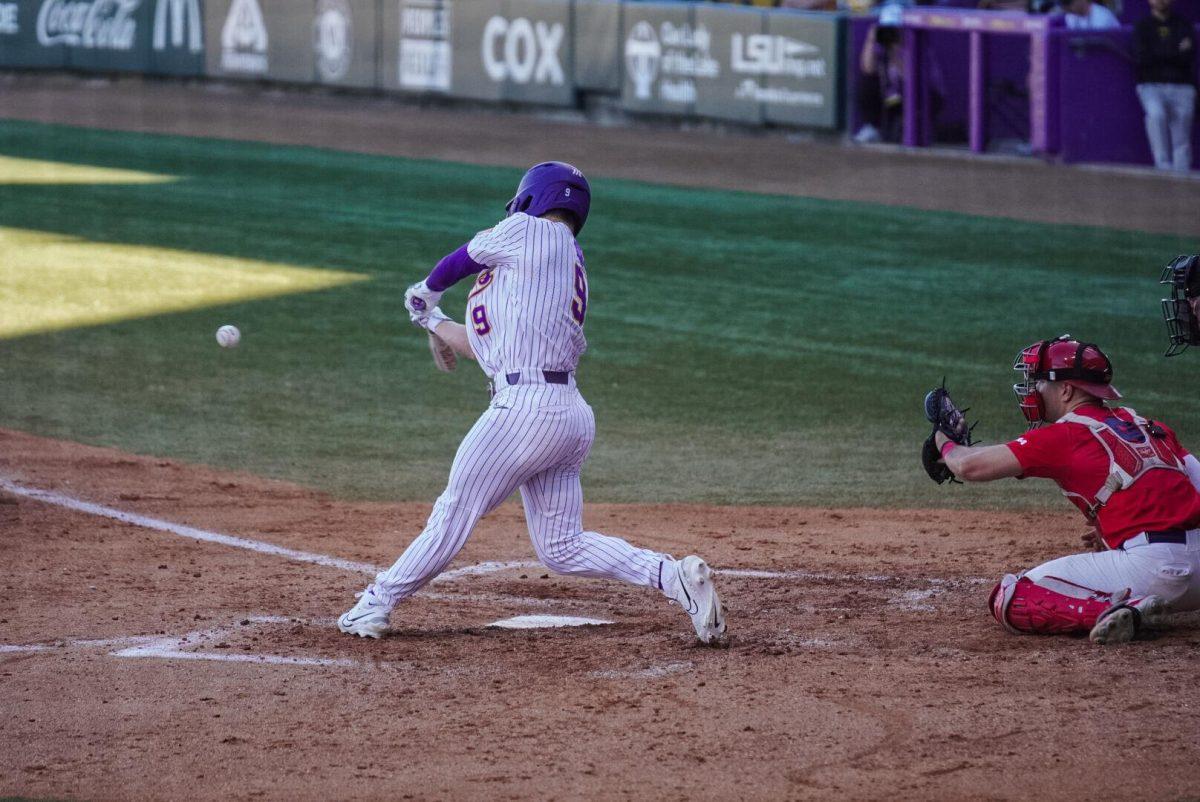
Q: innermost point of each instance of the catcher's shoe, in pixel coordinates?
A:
(368, 618)
(692, 589)
(1122, 622)
(1153, 611)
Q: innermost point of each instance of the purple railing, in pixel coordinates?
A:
(1080, 88)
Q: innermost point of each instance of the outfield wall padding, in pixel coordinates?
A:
(513, 50)
(662, 58)
(415, 52)
(260, 40)
(734, 90)
(598, 45)
(754, 66)
(748, 65)
(147, 36)
(345, 42)
(804, 70)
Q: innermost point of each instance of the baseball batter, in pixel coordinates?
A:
(1137, 486)
(525, 318)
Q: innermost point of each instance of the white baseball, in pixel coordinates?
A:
(228, 336)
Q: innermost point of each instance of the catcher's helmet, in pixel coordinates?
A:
(1182, 310)
(1064, 359)
(553, 185)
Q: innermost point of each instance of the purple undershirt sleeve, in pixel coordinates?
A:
(452, 269)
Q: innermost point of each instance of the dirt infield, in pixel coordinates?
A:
(151, 660)
(140, 663)
(1002, 187)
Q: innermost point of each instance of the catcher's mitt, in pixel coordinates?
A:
(443, 355)
(950, 421)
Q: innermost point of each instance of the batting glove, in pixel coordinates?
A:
(419, 299)
(429, 320)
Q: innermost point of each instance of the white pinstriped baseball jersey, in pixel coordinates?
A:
(528, 305)
(525, 315)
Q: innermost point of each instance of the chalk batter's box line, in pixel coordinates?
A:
(172, 648)
(480, 569)
(176, 647)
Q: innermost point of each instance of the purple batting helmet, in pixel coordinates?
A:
(553, 185)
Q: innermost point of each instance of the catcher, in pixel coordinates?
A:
(1136, 485)
(1182, 310)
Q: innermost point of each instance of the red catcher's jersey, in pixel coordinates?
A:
(1073, 457)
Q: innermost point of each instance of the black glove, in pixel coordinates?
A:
(950, 421)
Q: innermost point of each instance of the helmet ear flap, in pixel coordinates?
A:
(518, 204)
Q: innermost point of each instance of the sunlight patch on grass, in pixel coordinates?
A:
(50, 282)
(15, 170)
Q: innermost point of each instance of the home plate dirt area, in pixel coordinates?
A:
(166, 632)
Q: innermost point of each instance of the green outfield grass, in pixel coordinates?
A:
(744, 348)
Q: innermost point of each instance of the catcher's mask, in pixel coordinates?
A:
(1182, 310)
(553, 185)
(1065, 359)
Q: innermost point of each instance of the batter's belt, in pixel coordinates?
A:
(528, 376)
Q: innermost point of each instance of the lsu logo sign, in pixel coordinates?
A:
(523, 52)
(761, 54)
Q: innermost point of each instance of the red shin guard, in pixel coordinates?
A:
(1022, 605)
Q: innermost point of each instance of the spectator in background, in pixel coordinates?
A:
(1164, 50)
(1084, 15)
(1028, 6)
(810, 5)
(880, 79)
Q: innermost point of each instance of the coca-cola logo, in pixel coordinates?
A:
(8, 18)
(99, 24)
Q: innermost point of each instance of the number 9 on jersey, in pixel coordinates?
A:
(579, 303)
(480, 319)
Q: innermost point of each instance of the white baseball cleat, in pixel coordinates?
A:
(693, 590)
(1122, 622)
(368, 618)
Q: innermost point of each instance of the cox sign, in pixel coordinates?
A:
(522, 51)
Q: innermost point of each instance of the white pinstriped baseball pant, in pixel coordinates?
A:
(535, 437)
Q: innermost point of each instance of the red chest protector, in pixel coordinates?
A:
(1134, 447)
